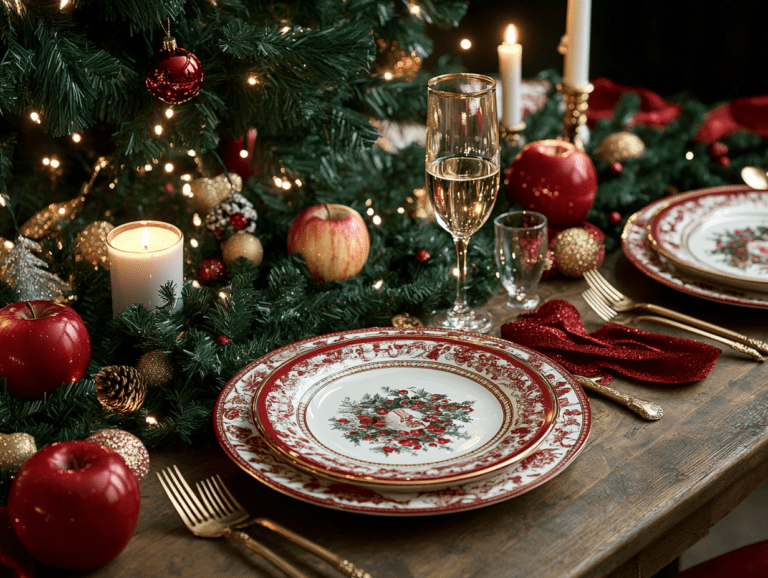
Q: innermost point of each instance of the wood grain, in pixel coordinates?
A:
(639, 494)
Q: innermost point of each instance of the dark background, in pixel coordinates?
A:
(678, 48)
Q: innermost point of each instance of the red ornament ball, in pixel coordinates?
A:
(724, 161)
(615, 218)
(222, 340)
(616, 168)
(174, 75)
(212, 270)
(130, 448)
(717, 149)
(423, 256)
(238, 222)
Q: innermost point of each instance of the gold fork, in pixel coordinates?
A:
(203, 524)
(620, 302)
(606, 313)
(223, 505)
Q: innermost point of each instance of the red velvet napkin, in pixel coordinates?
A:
(654, 110)
(749, 114)
(14, 559)
(556, 330)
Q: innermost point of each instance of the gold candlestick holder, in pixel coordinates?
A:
(513, 135)
(575, 111)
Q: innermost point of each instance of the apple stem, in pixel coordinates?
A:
(327, 210)
(31, 310)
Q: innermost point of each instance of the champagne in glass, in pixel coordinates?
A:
(462, 173)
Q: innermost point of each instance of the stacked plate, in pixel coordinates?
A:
(711, 243)
(402, 421)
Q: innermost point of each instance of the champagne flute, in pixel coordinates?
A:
(462, 167)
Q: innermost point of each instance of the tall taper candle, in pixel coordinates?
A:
(511, 70)
(577, 29)
(144, 256)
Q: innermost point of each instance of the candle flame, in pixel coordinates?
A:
(145, 238)
(510, 37)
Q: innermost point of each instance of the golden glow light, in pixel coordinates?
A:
(370, 211)
(168, 167)
(195, 284)
(689, 155)
(35, 117)
(46, 161)
(455, 272)
(158, 130)
(2, 200)
(63, 4)
(186, 177)
(76, 137)
(286, 185)
(252, 80)
(243, 154)
(194, 243)
(376, 220)
(387, 76)
(196, 220)
(510, 36)
(147, 167)
(191, 153)
(151, 420)
(186, 190)
(54, 163)
(465, 43)
(415, 9)
(168, 112)
(378, 284)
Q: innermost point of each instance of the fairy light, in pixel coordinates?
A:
(158, 129)
(401, 210)
(35, 117)
(285, 29)
(388, 76)
(370, 211)
(168, 112)
(148, 167)
(54, 163)
(63, 4)
(298, 182)
(689, 155)
(376, 220)
(415, 9)
(3, 202)
(252, 80)
(151, 420)
(186, 190)
(8, 245)
(169, 167)
(194, 243)
(455, 272)
(196, 220)
(195, 284)
(243, 154)
(76, 137)
(378, 284)
(223, 295)
(286, 185)
(186, 177)
(191, 153)
(278, 181)
(46, 161)
(466, 43)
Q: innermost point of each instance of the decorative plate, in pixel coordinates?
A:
(404, 409)
(241, 440)
(721, 235)
(638, 249)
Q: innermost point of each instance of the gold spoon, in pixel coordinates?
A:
(755, 177)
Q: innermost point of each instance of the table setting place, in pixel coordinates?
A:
(448, 410)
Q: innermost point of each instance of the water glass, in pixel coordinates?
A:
(521, 251)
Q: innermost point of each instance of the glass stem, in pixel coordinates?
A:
(460, 308)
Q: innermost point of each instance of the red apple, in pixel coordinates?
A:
(74, 505)
(333, 239)
(554, 178)
(44, 344)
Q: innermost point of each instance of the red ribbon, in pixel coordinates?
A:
(654, 110)
(556, 330)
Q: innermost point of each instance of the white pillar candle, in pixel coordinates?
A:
(577, 29)
(511, 70)
(144, 256)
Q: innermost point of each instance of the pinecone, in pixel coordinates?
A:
(120, 388)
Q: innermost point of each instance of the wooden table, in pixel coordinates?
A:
(639, 494)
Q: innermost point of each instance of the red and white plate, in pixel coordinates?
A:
(639, 250)
(243, 442)
(720, 235)
(404, 409)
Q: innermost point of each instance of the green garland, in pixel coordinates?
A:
(277, 303)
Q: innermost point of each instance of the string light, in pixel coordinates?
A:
(76, 137)
(243, 154)
(466, 43)
(195, 284)
(415, 9)
(35, 117)
(158, 129)
(378, 284)
(3, 202)
(186, 177)
(286, 185)
(376, 220)
(196, 220)
(147, 167)
(46, 161)
(63, 4)
(388, 76)
(298, 182)
(168, 167)
(55, 163)
(151, 420)
(191, 153)
(455, 272)
(689, 155)
(168, 112)
(186, 190)
(370, 211)
(194, 243)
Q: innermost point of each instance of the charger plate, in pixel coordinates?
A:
(638, 249)
(719, 235)
(404, 409)
(243, 443)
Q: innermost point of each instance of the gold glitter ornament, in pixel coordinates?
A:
(621, 146)
(45, 223)
(576, 251)
(406, 321)
(91, 244)
(5, 249)
(396, 61)
(155, 368)
(15, 449)
(242, 245)
(207, 193)
(130, 448)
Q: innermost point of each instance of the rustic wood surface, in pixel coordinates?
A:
(638, 495)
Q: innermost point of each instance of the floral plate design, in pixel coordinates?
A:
(243, 443)
(720, 235)
(639, 250)
(404, 409)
